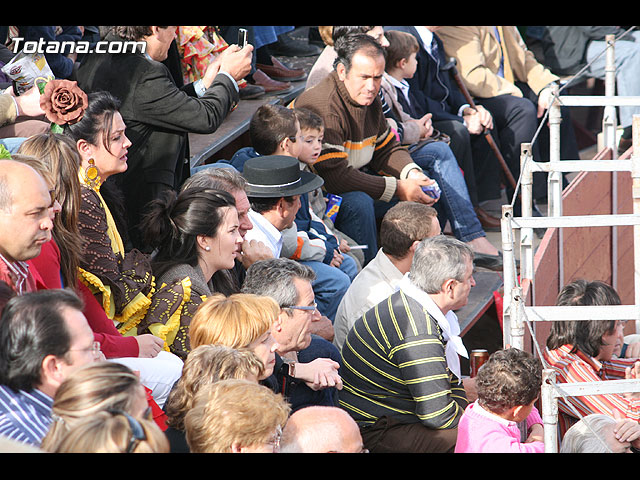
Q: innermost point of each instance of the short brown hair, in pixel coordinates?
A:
(403, 224)
(269, 126)
(309, 120)
(401, 46)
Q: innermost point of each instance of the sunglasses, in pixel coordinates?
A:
(137, 432)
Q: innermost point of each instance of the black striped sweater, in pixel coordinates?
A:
(394, 365)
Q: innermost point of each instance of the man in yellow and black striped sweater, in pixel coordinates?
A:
(401, 368)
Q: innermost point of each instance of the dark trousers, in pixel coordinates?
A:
(515, 122)
(390, 436)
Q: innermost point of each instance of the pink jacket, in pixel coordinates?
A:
(480, 431)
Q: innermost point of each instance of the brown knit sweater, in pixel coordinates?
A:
(360, 151)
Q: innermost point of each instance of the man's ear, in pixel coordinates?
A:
(50, 373)
(276, 325)
(448, 286)
(341, 70)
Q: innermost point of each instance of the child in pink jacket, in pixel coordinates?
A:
(508, 385)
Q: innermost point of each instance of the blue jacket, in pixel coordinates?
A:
(436, 92)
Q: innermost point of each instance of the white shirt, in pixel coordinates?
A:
(375, 282)
(448, 324)
(265, 232)
(426, 36)
(403, 85)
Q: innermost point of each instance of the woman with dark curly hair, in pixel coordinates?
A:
(586, 351)
(508, 385)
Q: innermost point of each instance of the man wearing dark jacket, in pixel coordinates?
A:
(159, 115)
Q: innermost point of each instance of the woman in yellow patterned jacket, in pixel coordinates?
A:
(195, 233)
(121, 280)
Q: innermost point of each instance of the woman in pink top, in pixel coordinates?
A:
(508, 385)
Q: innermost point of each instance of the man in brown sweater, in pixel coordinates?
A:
(362, 161)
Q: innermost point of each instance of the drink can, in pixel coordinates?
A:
(333, 205)
(478, 358)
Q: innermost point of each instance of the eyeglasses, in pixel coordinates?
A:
(310, 308)
(275, 441)
(94, 348)
(137, 432)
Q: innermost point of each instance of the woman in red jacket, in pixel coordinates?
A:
(57, 267)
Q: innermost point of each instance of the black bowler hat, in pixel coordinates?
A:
(272, 176)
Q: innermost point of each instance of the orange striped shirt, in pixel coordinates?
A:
(578, 367)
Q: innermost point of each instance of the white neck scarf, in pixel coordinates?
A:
(448, 324)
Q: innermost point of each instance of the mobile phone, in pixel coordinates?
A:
(242, 37)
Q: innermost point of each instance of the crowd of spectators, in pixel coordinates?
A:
(148, 306)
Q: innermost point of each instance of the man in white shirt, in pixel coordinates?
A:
(402, 228)
(274, 186)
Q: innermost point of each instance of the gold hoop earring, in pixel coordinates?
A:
(92, 175)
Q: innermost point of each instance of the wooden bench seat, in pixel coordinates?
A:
(210, 147)
(480, 299)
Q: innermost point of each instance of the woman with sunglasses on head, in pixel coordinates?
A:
(97, 387)
(114, 431)
(195, 234)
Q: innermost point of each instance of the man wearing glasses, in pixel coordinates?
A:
(44, 337)
(307, 366)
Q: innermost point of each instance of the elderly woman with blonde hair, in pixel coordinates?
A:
(236, 416)
(205, 364)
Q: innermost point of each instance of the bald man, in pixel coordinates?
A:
(26, 222)
(320, 429)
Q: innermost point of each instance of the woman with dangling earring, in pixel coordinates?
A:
(121, 280)
(195, 234)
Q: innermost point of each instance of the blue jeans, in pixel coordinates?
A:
(627, 59)
(358, 211)
(439, 164)
(357, 219)
(331, 283)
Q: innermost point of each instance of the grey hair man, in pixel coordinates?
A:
(400, 359)
(597, 433)
(305, 358)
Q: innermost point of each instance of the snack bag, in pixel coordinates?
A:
(25, 68)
